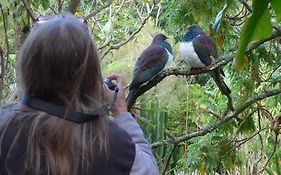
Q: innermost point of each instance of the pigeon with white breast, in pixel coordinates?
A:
(199, 52)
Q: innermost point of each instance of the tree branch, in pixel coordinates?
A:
(271, 155)
(240, 142)
(111, 18)
(166, 163)
(219, 123)
(98, 10)
(223, 60)
(117, 46)
(246, 5)
(29, 10)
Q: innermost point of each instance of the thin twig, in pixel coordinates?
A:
(53, 10)
(29, 10)
(111, 18)
(117, 46)
(246, 5)
(210, 111)
(94, 13)
(242, 141)
(270, 157)
(166, 164)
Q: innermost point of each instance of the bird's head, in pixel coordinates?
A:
(194, 29)
(191, 32)
(159, 38)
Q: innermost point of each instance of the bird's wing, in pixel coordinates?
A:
(150, 63)
(205, 48)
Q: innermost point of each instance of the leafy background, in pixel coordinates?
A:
(180, 105)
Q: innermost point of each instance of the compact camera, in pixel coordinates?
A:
(110, 84)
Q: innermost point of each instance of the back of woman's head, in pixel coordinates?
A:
(59, 65)
(59, 62)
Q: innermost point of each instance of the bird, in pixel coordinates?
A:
(153, 60)
(199, 51)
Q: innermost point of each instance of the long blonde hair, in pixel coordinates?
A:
(59, 64)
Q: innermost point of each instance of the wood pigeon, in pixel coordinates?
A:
(199, 51)
(153, 60)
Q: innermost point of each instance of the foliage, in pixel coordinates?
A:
(258, 26)
(181, 105)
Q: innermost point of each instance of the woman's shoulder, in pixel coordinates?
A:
(9, 110)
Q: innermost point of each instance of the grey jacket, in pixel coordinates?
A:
(130, 151)
(144, 163)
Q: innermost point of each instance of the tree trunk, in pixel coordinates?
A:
(2, 70)
(21, 32)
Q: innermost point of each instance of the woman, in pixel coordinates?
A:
(60, 126)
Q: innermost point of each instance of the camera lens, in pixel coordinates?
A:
(110, 84)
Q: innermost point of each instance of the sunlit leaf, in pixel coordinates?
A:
(203, 168)
(276, 5)
(252, 25)
(263, 28)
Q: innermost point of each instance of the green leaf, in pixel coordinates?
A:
(276, 5)
(263, 28)
(253, 29)
(269, 171)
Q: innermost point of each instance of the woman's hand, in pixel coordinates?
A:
(120, 104)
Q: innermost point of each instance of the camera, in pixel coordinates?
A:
(110, 84)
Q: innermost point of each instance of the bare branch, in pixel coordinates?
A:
(244, 140)
(249, 138)
(219, 123)
(60, 3)
(29, 10)
(112, 18)
(53, 10)
(210, 111)
(270, 157)
(98, 10)
(246, 5)
(169, 159)
(223, 60)
(2, 74)
(117, 46)
(158, 14)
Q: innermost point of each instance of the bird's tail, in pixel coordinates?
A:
(216, 75)
(131, 98)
